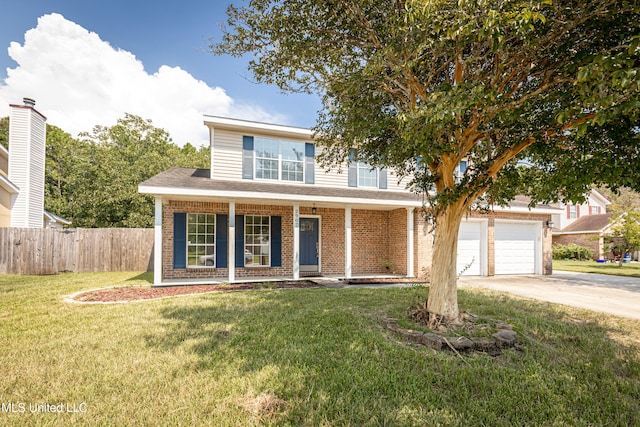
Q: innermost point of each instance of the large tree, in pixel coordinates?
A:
(419, 85)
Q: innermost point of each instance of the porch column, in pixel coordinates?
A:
(347, 241)
(410, 272)
(296, 241)
(232, 241)
(157, 243)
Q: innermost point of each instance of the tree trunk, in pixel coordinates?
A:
(442, 303)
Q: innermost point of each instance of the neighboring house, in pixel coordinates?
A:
(595, 204)
(589, 231)
(585, 224)
(265, 209)
(22, 171)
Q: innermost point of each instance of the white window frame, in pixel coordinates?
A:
(197, 244)
(261, 244)
(594, 210)
(362, 166)
(573, 211)
(279, 159)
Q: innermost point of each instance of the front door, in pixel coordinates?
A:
(309, 245)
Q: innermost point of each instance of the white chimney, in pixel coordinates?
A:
(27, 136)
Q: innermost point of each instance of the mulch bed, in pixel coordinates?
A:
(381, 280)
(137, 293)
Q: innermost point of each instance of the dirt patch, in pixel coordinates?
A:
(137, 293)
(382, 280)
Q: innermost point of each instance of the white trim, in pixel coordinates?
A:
(9, 186)
(231, 242)
(538, 246)
(347, 241)
(169, 191)
(410, 272)
(157, 242)
(552, 211)
(296, 241)
(211, 151)
(246, 125)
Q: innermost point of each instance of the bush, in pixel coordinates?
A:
(571, 251)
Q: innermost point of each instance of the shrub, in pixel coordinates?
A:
(571, 251)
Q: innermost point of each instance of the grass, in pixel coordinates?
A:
(631, 269)
(301, 357)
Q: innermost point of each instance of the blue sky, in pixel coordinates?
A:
(78, 63)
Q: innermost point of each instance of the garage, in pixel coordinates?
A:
(517, 250)
(472, 248)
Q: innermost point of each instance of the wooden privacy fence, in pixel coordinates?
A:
(79, 250)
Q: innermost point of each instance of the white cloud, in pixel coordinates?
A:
(79, 81)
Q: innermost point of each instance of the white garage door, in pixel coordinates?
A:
(469, 247)
(515, 248)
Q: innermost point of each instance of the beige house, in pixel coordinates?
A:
(266, 209)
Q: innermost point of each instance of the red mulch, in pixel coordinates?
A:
(134, 293)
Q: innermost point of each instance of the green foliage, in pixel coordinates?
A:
(93, 181)
(626, 229)
(4, 132)
(571, 251)
(492, 82)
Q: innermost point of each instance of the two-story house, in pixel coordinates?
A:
(266, 209)
(584, 224)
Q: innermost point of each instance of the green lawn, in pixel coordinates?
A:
(301, 357)
(630, 269)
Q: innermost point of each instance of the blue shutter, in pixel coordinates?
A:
(353, 169)
(309, 163)
(276, 241)
(222, 234)
(239, 241)
(247, 157)
(382, 179)
(179, 240)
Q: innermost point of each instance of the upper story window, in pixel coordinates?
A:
(595, 210)
(279, 160)
(367, 175)
(573, 211)
(461, 169)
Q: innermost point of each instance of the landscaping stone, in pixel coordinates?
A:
(501, 325)
(484, 344)
(505, 337)
(434, 341)
(461, 343)
(390, 323)
(411, 335)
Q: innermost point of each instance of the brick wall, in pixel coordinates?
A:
(369, 241)
(422, 245)
(286, 212)
(398, 241)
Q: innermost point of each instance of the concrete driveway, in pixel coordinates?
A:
(615, 295)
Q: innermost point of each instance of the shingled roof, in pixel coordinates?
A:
(589, 224)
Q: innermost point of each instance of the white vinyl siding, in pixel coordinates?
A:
(227, 163)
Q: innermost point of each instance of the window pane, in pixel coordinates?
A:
(292, 150)
(367, 177)
(201, 240)
(257, 249)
